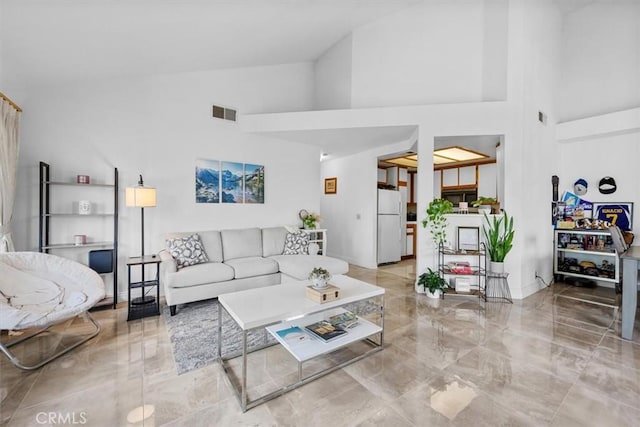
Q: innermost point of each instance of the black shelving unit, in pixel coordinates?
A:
(46, 216)
(146, 304)
(478, 269)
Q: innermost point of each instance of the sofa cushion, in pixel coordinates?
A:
(252, 266)
(208, 272)
(296, 243)
(187, 250)
(273, 241)
(299, 266)
(211, 240)
(243, 243)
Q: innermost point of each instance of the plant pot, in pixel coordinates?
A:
(319, 283)
(496, 267)
(419, 289)
(482, 209)
(435, 294)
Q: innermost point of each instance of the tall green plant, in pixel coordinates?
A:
(436, 221)
(498, 235)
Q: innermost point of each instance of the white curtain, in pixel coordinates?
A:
(9, 124)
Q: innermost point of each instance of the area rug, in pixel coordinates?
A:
(193, 332)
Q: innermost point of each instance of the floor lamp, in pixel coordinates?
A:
(141, 197)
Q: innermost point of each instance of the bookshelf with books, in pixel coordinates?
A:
(302, 349)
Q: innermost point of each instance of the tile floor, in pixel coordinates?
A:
(458, 361)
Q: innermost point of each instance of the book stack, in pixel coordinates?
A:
(334, 327)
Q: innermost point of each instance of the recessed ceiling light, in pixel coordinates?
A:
(459, 154)
(438, 160)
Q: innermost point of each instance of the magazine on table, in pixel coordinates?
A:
(294, 336)
(325, 330)
(346, 320)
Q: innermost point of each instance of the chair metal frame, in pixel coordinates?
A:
(19, 364)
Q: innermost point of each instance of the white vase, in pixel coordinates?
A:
(435, 294)
(496, 267)
(319, 283)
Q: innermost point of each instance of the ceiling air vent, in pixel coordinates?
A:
(224, 113)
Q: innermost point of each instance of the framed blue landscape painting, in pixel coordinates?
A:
(253, 183)
(207, 181)
(232, 182)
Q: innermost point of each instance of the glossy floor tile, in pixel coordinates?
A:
(545, 360)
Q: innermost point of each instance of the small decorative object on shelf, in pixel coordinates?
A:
(79, 239)
(329, 293)
(83, 179)
(486, 205)
(311, 221)
(84, 207)
(319, 278)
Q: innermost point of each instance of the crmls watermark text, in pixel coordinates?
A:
(61, 418)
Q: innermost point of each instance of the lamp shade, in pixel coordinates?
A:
(140, 197)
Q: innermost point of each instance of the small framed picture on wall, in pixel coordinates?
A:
(330, 185)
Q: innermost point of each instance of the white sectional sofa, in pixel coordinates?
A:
(237, 260)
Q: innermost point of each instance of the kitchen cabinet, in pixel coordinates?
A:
(487, 180)
(382, 175)
(411, 240)
(467, 175)
(437, 185)
(392, 176)
(450, 177)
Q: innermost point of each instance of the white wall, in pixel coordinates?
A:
(158, 126)
(600, 60)
(333, 77)
(429, 54)
(530, 152)
(350, 215)
(624, 169)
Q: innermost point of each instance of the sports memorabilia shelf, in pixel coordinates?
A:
(586, 254)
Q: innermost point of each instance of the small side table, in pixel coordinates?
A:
(497, 287)
(145, 305)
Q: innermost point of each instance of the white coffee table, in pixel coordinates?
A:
(277, 307)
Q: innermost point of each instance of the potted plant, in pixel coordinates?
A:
(486, 204)
(432, 283)
(436, 221)
(319, 278)
(310, 221)
(498, 233)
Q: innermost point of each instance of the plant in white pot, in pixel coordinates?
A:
(432, 283)
(319, 278)
(486, 205)
(498, 233)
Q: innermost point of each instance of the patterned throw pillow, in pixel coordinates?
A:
(187, 250)
(296, 243)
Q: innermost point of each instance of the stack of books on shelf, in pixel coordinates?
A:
(326, 330)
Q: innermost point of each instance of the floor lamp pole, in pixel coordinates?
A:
(142, 222)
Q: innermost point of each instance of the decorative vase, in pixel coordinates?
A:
(435, 294)
(496, 267)
(319, 282)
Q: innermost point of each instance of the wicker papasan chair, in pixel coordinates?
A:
(39, 290)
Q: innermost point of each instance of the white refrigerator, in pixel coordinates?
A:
(389, 226)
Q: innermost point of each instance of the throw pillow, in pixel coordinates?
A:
(296, 243)
(187, 250)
